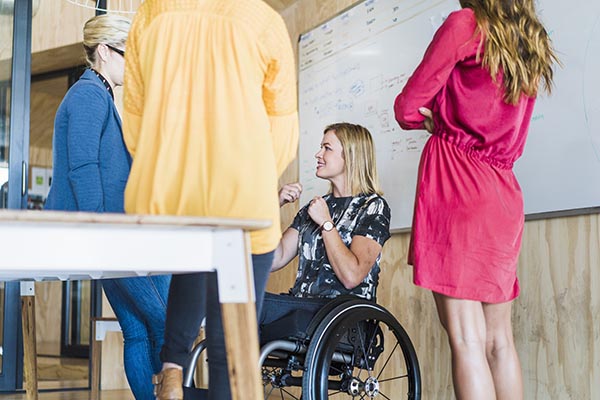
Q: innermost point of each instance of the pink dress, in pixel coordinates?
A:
(468, 216)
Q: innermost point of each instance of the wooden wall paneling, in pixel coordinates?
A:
(112, 370)
(48, 298)
(46, 96)
(58, 23)
(57, 59)
(557, 316)
(279, 5)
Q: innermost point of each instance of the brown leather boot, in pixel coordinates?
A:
(168, 384)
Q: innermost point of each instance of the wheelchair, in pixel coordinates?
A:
(351, 348)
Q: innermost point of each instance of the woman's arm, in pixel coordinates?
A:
(350, 265)
(288, 245)
(286, 250)
(452, 42)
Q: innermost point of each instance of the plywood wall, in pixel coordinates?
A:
(48, 306)
(57, 23)
(557, 317)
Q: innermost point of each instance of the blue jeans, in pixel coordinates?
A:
(140, 305)
(191, 298)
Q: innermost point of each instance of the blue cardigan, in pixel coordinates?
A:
(90, 161)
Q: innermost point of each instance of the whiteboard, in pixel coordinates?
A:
(353, 66)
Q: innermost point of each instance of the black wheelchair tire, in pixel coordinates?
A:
(321, 348)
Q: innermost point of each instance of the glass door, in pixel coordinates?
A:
(15, 74)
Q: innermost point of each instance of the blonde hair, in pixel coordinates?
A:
(516, 43)
(104, 29)
(359, 156)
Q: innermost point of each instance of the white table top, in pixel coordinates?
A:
(86, 217)
(49, 245)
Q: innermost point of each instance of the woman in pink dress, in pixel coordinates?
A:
(474, 91)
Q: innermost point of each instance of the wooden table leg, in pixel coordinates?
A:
(95, 364)
(29, 344)
(241, 339)
(241, 342)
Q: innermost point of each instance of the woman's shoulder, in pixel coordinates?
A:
(375, 198)
(85, 89)
(463, 15)
(463, 19)
(86, 95)
(373, 203)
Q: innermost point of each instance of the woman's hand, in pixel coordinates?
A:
(318, 211)
(289, 193)
(428, 123)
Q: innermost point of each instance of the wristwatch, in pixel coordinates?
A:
(327, 226)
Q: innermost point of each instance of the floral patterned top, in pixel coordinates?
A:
(364, 215)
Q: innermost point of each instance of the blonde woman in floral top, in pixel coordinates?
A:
(338, 237)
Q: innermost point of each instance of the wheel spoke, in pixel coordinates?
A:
(288, 393)
(267, 395)
(364, 351)
(391, 379)
(384, 396)
(388, 360)
(336, 369)
(270, 391)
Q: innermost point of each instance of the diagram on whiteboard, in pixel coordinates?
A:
(351, 69)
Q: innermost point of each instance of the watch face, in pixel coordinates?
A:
(327, 226)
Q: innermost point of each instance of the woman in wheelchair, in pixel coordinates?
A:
(338, 237)
(337, 345)
(327, 335)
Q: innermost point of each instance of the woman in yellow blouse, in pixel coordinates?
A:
(211, 122)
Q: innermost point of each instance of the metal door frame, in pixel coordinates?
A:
(11, 376)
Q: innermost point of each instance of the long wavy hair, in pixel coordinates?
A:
(359, 157)
(516, 43)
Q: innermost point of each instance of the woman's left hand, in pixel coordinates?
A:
(428, 123)
(318, 210)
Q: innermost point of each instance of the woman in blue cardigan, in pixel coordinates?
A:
(90, 169)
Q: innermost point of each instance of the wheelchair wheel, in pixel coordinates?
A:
(361, 352)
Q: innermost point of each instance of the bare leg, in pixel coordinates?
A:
(501, 353)
(464, 322)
